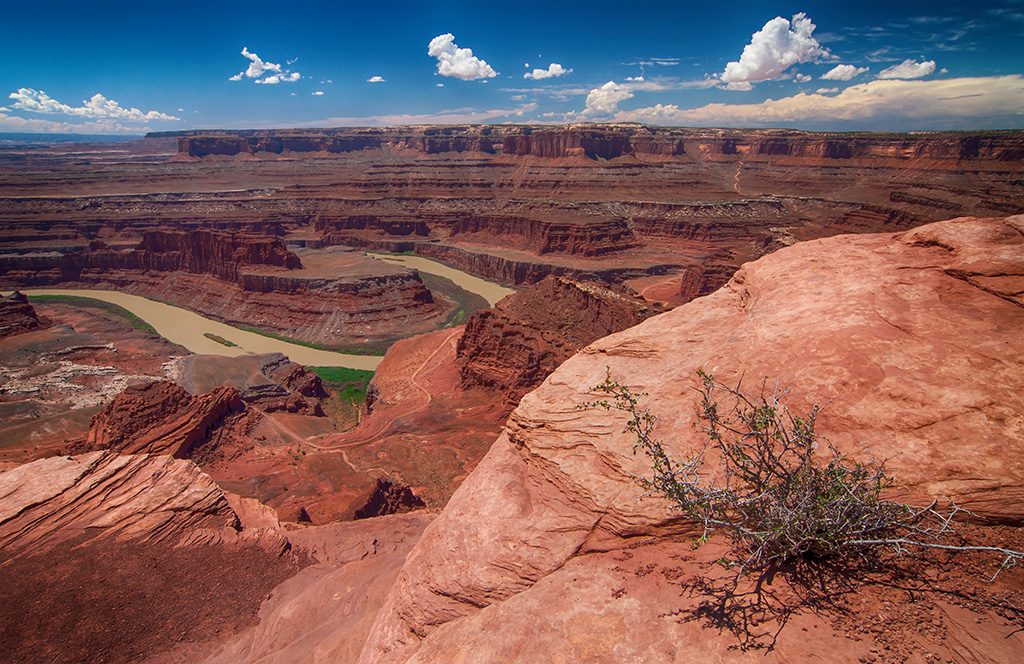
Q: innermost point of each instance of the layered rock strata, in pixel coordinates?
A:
(17, 315)
(142, 497)
(161, 418)
(518, 203)
(272, 383)
(609, 141)
(246, 280)
(514, 346)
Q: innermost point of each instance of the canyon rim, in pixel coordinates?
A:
(460, 506)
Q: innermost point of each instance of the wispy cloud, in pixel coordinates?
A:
(772, 50)
(457, 62)
(13, 123)
(650, 62)
(269, 73)
(454, 116)
(937, 101)
(97, 106)
(289, 77)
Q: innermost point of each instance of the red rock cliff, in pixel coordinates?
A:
(515, 345)
(611, 141)
(18, 316)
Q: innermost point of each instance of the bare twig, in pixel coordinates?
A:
(785, 492)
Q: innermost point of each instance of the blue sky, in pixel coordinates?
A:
(106, 66)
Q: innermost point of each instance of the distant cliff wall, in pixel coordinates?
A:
(607, 142)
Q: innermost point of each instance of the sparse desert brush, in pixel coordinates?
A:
(783, 493)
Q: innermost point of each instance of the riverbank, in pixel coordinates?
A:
(205, 336)
(189, 329)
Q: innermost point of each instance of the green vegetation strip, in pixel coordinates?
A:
(90, 303)
(373, 348)
(219, 339)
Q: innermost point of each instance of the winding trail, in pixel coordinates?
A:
(377, 428)
(736, 178)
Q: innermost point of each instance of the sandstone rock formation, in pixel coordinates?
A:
(17, 315)
(149, 498)
(324, 612)
(912, 340)
(128, 557)
(161, 418)
(272, 383)
(514, 346)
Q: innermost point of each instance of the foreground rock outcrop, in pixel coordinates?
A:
(148, 498)
(912, 340)
(122, 558)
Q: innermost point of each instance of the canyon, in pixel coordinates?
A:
(473, 506)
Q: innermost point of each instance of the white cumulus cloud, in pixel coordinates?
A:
(318, 93)
(843, 73)
(375, 79)
(826, 91)
(772, 50)
(457, 62)
(258, 68)
(279, 78)
(605, 100)
(802, 78)
(97, 106)
(908, 69)
(554, 70)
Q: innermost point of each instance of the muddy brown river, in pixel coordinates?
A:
(187, 328)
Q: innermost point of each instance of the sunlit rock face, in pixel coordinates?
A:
(912, 341)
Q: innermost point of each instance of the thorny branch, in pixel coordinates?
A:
(784, 492)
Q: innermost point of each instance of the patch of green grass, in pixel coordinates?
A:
(348, 384)
(90, 303)
(348, 393)
(219, 339)
(342, 375)
(353, 394)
